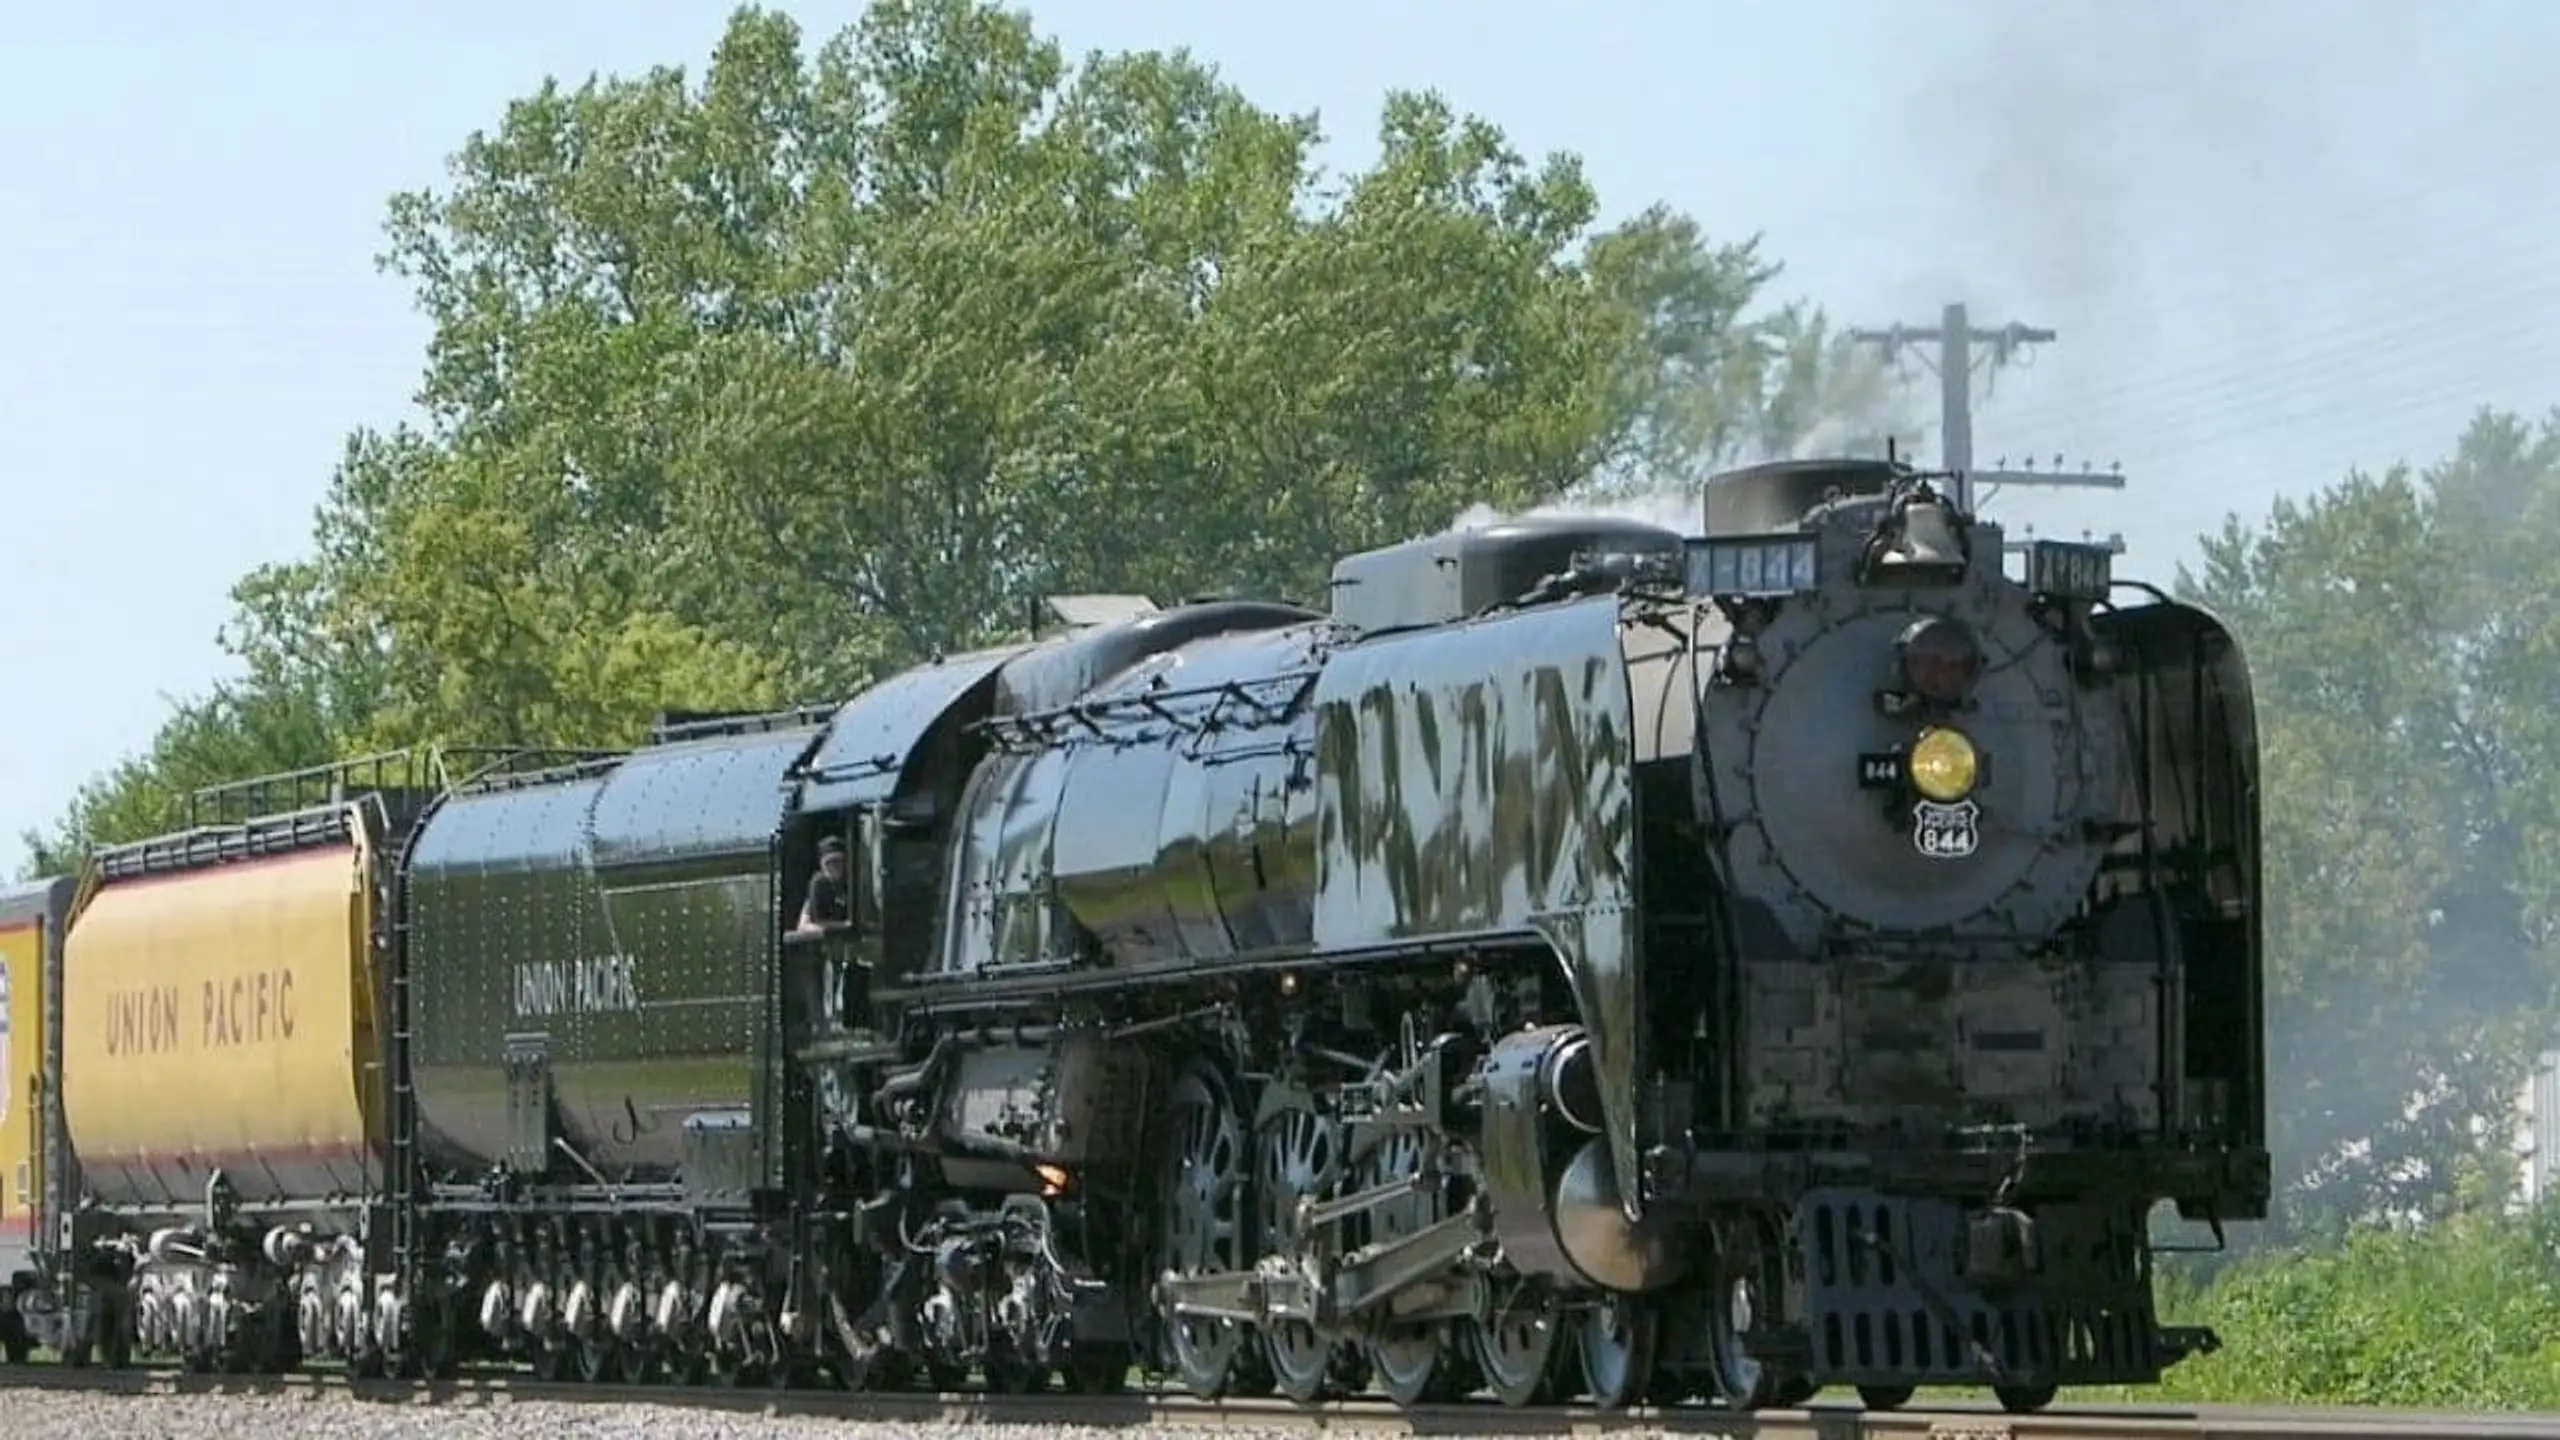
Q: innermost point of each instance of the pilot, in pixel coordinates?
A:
(826, 904)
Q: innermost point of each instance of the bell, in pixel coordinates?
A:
(1928, 542)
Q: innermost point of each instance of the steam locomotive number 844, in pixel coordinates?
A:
(1584, 961)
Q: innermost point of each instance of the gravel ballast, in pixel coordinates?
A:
(75, 1415)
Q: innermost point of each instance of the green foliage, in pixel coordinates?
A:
(842, 357)
(236, 731)
(750, 385)
(2403, 631)
(1701, 389)
(2463, 1315)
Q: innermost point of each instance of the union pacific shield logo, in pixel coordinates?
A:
(1946, 832)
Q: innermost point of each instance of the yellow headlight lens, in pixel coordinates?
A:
(1943, 765)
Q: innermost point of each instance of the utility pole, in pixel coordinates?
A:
(1955, 337)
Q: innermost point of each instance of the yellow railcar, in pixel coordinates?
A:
(222, 1005)
(30, 949)
(222, 1021)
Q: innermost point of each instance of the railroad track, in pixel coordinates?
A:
(1177, 1412)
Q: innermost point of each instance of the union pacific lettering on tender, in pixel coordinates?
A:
(609, 983)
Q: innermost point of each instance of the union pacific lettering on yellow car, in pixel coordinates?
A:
(607, 984)
(143, 1022)
(1584, 959)
(254, 1009)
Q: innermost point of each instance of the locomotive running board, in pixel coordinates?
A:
(1365, 1280)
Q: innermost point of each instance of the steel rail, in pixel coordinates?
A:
(1179, 1412)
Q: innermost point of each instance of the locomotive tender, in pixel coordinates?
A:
(1584, 961)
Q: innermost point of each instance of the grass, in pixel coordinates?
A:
(2463, 1315)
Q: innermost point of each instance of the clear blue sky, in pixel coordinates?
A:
(2278, 239)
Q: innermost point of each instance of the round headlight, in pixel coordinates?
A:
(1941, 659)
(1943, 765)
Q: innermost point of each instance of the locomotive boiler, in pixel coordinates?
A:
(1580, 959)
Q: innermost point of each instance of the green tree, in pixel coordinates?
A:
(236, 730)
(749, 386)
(839, 358)
(1704, 386)
(2404, 632)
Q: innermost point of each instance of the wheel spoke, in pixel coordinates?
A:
(1298, 1157)
(1617, 1341)
(1516, 1346)
(1204, 1186)
(1414, 1363)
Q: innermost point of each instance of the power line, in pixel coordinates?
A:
(2341, 395)
(2198, 413)
(2371, 349)
(1955, 336)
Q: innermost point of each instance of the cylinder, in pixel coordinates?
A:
(1573, 1085)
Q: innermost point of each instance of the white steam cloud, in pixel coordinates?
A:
(1855, 411)
(1679, 508)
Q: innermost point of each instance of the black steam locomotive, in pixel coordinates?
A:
(1587, 960)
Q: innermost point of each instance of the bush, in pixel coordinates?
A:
(2460, 1315)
